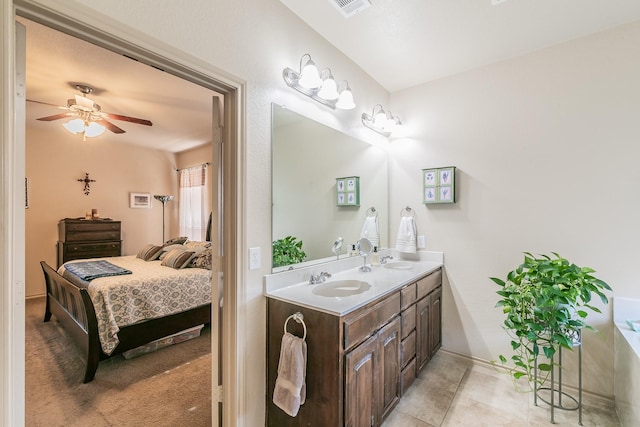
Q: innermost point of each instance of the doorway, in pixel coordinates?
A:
(226, 148)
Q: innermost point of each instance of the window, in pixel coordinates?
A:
(194, 209)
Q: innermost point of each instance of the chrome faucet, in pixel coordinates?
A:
(383, 260)
(319, 278)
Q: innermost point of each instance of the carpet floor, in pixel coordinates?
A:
(168, 387)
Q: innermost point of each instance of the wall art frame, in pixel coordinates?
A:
(348, 191)
(439, 185)
(140, 200)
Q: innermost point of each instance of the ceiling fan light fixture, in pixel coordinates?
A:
(94, 129)
(74, 126)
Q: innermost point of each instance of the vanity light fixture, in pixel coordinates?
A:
(320, 86)
(381, 121)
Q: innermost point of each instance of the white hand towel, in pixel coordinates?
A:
(406, 241)
(370, 230)
(290, 390)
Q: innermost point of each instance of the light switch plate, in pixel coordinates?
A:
(254, 258)
(421, 242)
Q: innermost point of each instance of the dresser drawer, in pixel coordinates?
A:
(102, 249)
(408, 321)
(357, 328)
(429, 283)
(79, 230)
(83, 236)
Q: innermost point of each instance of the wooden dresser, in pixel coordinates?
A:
(82, 238)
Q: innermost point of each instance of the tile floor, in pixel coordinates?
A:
(454, 391)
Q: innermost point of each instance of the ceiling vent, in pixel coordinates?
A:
(351, 7)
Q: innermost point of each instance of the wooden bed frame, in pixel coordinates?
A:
(72, 306)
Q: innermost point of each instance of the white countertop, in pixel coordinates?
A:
(293, 286)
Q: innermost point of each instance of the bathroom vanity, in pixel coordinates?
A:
(363, 350)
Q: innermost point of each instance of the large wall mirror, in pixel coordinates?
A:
(307, 158)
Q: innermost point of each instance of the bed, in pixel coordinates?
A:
(108, 316)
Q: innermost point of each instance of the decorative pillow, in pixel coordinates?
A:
(194, 244)
(166, 249)
(175, 241)
(149, 252)
(177, 258)
(202, 260)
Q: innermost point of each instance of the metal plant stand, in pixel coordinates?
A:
(574, 404)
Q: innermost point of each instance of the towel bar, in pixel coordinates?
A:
(408, 211)
(372, 212)
(298, 317)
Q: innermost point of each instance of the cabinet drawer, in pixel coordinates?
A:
(99, 249)
(78, 230)
(407, 376)
(92, 236)
(408, 348)
(429, 283)
(362, 325)
(408, 321)
(407, 296)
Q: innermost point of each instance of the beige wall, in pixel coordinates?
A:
(547, 147)
(54, 164)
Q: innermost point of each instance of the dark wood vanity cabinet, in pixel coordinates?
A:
(360, 364)
(371, 377)
(428, 318)
(81, 238)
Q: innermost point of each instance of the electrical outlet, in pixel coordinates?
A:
(421, 242)
(254, 258)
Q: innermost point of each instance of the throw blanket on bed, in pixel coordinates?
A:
(151, 291)
(89, 270)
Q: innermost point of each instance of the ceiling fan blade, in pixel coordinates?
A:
(46, 103)
(56, 117)
(113, 128)
(128, 119)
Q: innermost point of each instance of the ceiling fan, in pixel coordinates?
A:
(87, 116)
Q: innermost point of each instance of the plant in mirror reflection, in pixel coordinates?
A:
(544, 300)
(287, 251)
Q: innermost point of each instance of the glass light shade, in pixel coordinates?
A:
(74, 126)
(329, 89)
(309, 77)
(94, 129)
(380, 119)
(345, 102)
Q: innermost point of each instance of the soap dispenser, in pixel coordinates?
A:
(353, 251)
(375, 257)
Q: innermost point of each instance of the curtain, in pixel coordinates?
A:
(194, 209)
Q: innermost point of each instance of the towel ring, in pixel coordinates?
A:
(408, 211)
(371, 212)
(298, 317)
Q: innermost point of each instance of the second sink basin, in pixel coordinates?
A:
(341, 288)
(399, 265)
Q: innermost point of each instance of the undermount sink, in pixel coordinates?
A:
(341, 288)
(399, 265)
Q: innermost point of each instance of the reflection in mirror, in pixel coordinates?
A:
(337, 247)
(307, 157)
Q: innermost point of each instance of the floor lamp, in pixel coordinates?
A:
(163, 200)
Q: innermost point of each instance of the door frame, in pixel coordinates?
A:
(81, 22)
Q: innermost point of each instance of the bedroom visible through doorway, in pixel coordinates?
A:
(218, 196)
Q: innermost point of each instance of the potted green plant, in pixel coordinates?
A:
(287, 251)
(544, 300)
